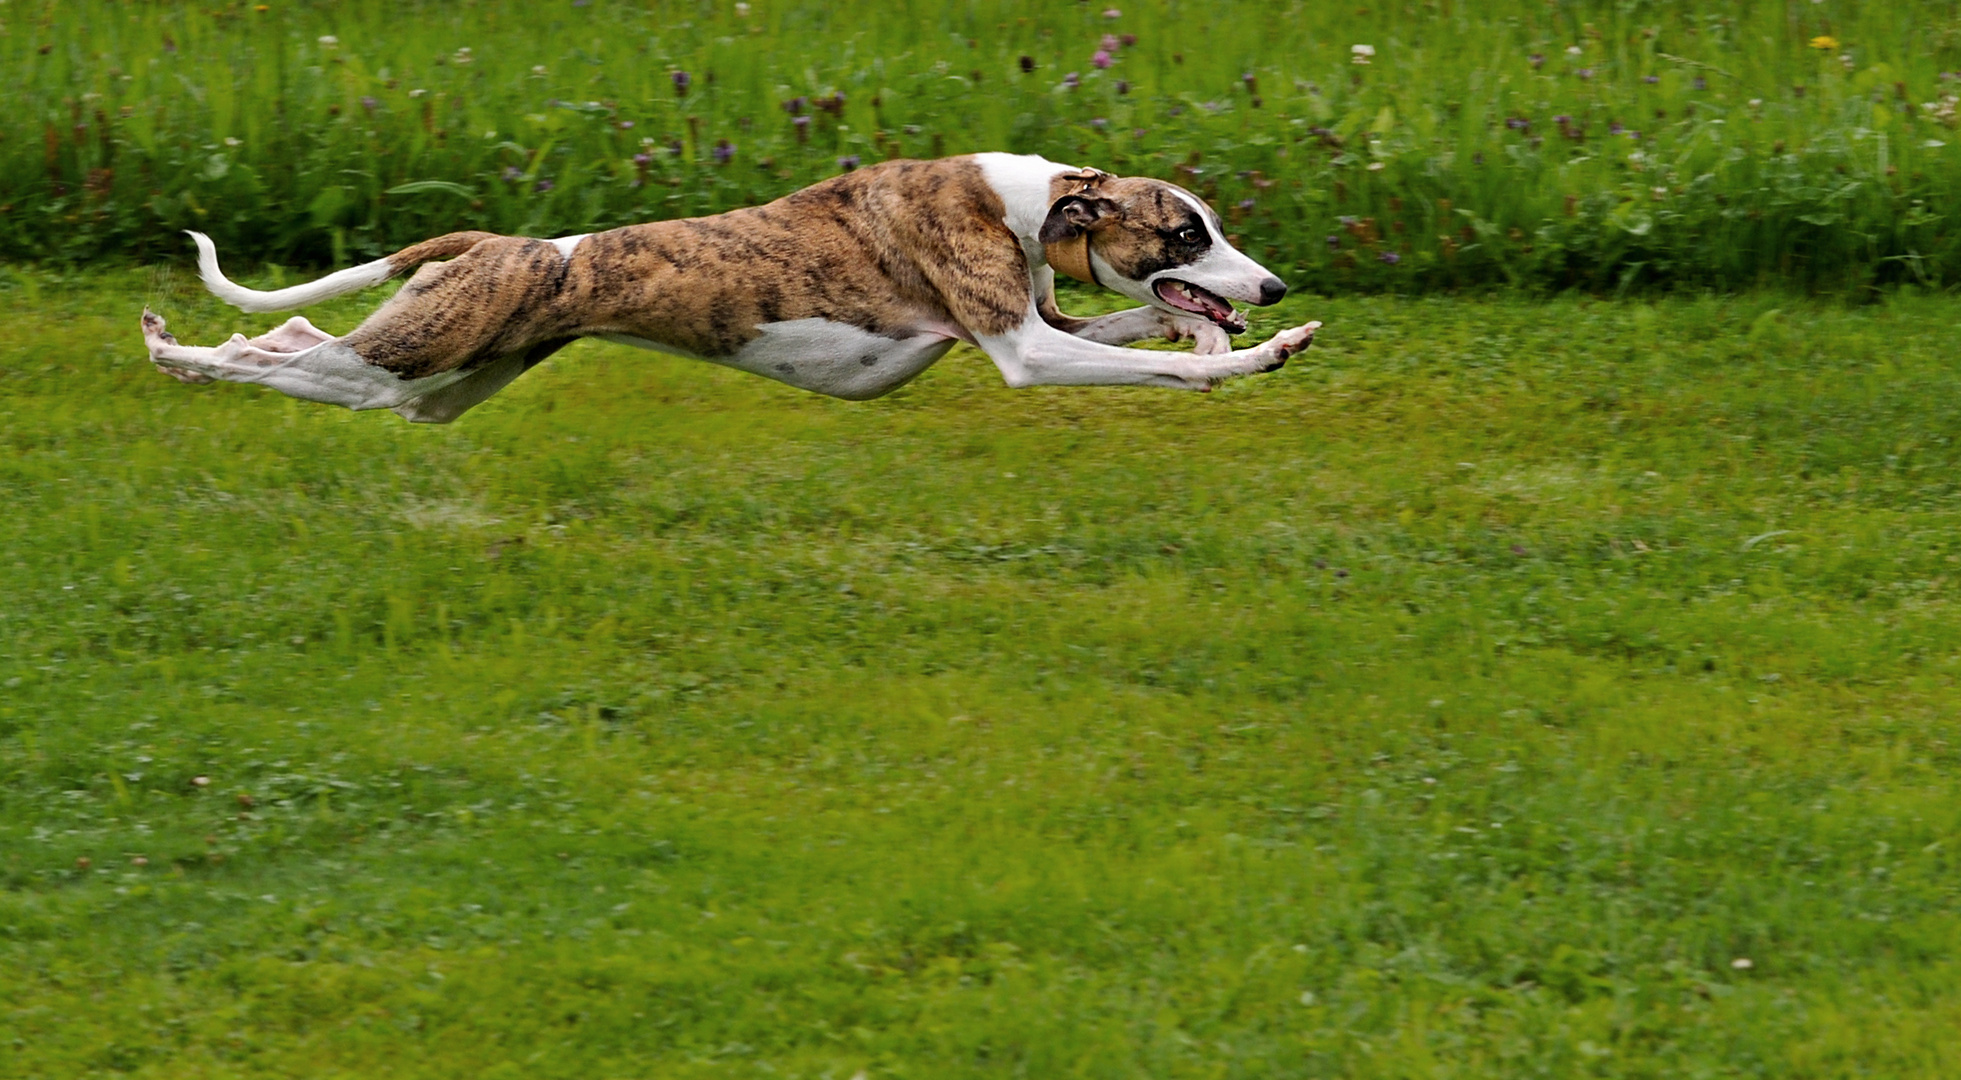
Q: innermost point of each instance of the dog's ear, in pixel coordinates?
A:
(1074, 215)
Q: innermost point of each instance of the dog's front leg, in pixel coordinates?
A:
(1143, 324)
(1037, 354)
(1146, 324)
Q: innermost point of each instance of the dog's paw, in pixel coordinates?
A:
(1286, 344)
(153, 331)
(1207, 338)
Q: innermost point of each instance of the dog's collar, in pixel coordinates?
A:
(1071, 256)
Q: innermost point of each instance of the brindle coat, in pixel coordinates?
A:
(841, 250)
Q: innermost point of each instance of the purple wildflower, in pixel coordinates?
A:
(1123, 87)
(544, 185)
(795, 105)
(641, 159)
(369, 104)
(681, 81)
(1112, 13)
(1099, 123)
(802, 126)
(848, 163)
(1651, 79)
(1517, 123)
(724, 150)
(1585, 73)
(512, 172)
(626, 125)
(1111, 43)
(1334, 242)
(1614, 127)
(1247, 204)
(1701, 83)
(1072, 80)
(1562, 119)
(1100, 60)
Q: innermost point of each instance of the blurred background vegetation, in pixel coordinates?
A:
(1406, 146)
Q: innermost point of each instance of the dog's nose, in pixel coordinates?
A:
(1271, 290)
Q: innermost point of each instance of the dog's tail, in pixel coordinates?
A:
(352, 279)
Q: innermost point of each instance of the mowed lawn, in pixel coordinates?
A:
(1502, 689)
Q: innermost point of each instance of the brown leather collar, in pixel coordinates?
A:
(1071, 256)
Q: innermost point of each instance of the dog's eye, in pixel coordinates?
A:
(1189, 234)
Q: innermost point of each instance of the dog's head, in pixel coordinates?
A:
(1153, 242)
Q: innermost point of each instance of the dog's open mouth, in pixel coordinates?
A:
(1188, 297)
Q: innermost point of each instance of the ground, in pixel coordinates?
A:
(1504, 688)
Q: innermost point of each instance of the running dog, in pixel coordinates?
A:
(850, 287)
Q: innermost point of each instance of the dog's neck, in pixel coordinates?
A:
(1028, 187)
(1071, 256)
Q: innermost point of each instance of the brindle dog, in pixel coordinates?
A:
(850, 287)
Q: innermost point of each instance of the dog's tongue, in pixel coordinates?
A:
(1195, 300)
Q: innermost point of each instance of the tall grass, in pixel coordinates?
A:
(1592, 145)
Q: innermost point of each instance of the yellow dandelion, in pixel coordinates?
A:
(1824, 41)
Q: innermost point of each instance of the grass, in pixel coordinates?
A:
(1475, 697)
(1603, 147)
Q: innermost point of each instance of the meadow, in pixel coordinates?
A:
(1552, 673)
(1502, 689)
(1608, 147)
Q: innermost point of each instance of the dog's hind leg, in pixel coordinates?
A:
(442, 406)
(297, 359)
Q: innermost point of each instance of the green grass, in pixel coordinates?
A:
(1707, 145)
(1466, 699)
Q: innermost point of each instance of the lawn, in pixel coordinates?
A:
(1501, 689)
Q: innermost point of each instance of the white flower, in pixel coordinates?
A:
(742, 11)
(1573, 50)
(229, 141)
(462, 56)
(539, 69)
(1742, 963)
(1361, 53)
(329, 40)
(418, 92)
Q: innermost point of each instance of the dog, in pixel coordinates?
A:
(850, 287)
